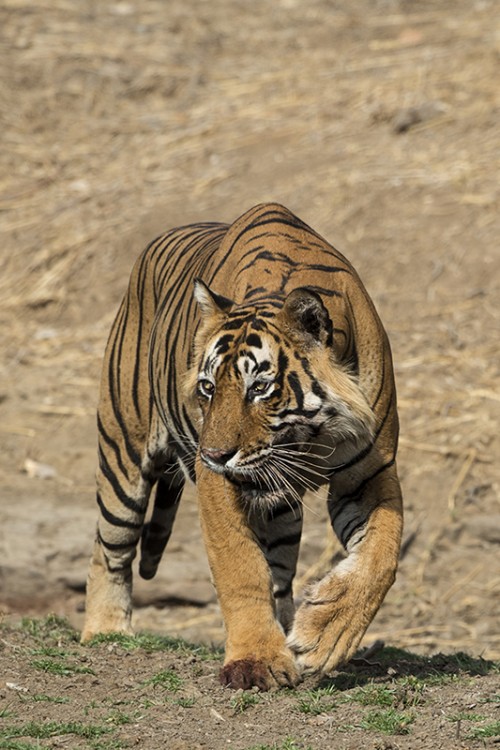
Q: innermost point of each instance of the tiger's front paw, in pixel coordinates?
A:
(263, 673)
(326, 632)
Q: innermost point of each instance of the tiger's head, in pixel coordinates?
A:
(277, 413)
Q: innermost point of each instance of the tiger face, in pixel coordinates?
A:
(276, 413)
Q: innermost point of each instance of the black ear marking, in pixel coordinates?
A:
(210, 302)
(306, 313)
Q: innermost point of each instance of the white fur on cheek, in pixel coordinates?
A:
(311, 401)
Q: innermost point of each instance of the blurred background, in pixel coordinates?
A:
(377, 122)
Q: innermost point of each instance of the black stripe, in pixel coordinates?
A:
(280, 510)
(285, 541)
(324, 292)
(269, 256)
(223, 343)
(113, 445)
(361, 487)
(114, 381)
(156, 529)
(276, 564)
(255, 291)
(294, 383)
(191, 428)
(357, 494)
(258, 222)
(115, 520)
(138, 360)
(117, 547)
(281, 593)
(364, 453)
(118, 490)
(350, 529)
(167, 494)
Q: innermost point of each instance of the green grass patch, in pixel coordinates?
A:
(6, 713)
(288, 744)
(51, 626)
(409, 691)
(387, 721)
(488, 730)
(57, 628)
(108, 744)
(317, 701)
(120, 718)
(42, 698)
(62, 668)
(462, 662)
(466, 716)
(49, 651)
(403, 693)
(244, 700)
(151, 642)
(44, 730)
(373, 695)
(411, 674)
(440, 665)
(56, 660)
(185, 702)
(167, 679)
(491, 699)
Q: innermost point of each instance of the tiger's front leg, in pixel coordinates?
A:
(337, 610)
(256, 650)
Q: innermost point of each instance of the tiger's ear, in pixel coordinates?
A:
(305, 313)
(210, 303)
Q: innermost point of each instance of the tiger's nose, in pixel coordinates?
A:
(217, 455)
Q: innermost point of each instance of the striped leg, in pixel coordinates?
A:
(279, 538)
(256, 653)
(337, 610)
(157, 531)
(109, 584)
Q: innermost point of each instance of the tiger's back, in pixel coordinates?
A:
(155, 416)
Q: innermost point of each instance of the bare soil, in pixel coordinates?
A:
(378, 124)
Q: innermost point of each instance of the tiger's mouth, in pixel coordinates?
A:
(261, 493)
(249, 486)
(252, 483)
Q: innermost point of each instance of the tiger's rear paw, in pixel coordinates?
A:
(104, 621)
(243, 674)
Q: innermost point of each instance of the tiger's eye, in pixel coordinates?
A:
(260, 387)
(206, 387)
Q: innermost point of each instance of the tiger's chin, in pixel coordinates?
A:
(261, 496)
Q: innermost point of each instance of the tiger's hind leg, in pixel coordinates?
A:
(122, 505)
(157, 531)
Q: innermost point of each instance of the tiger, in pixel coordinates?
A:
(249, 359)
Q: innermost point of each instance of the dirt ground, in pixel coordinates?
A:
(378, 124)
